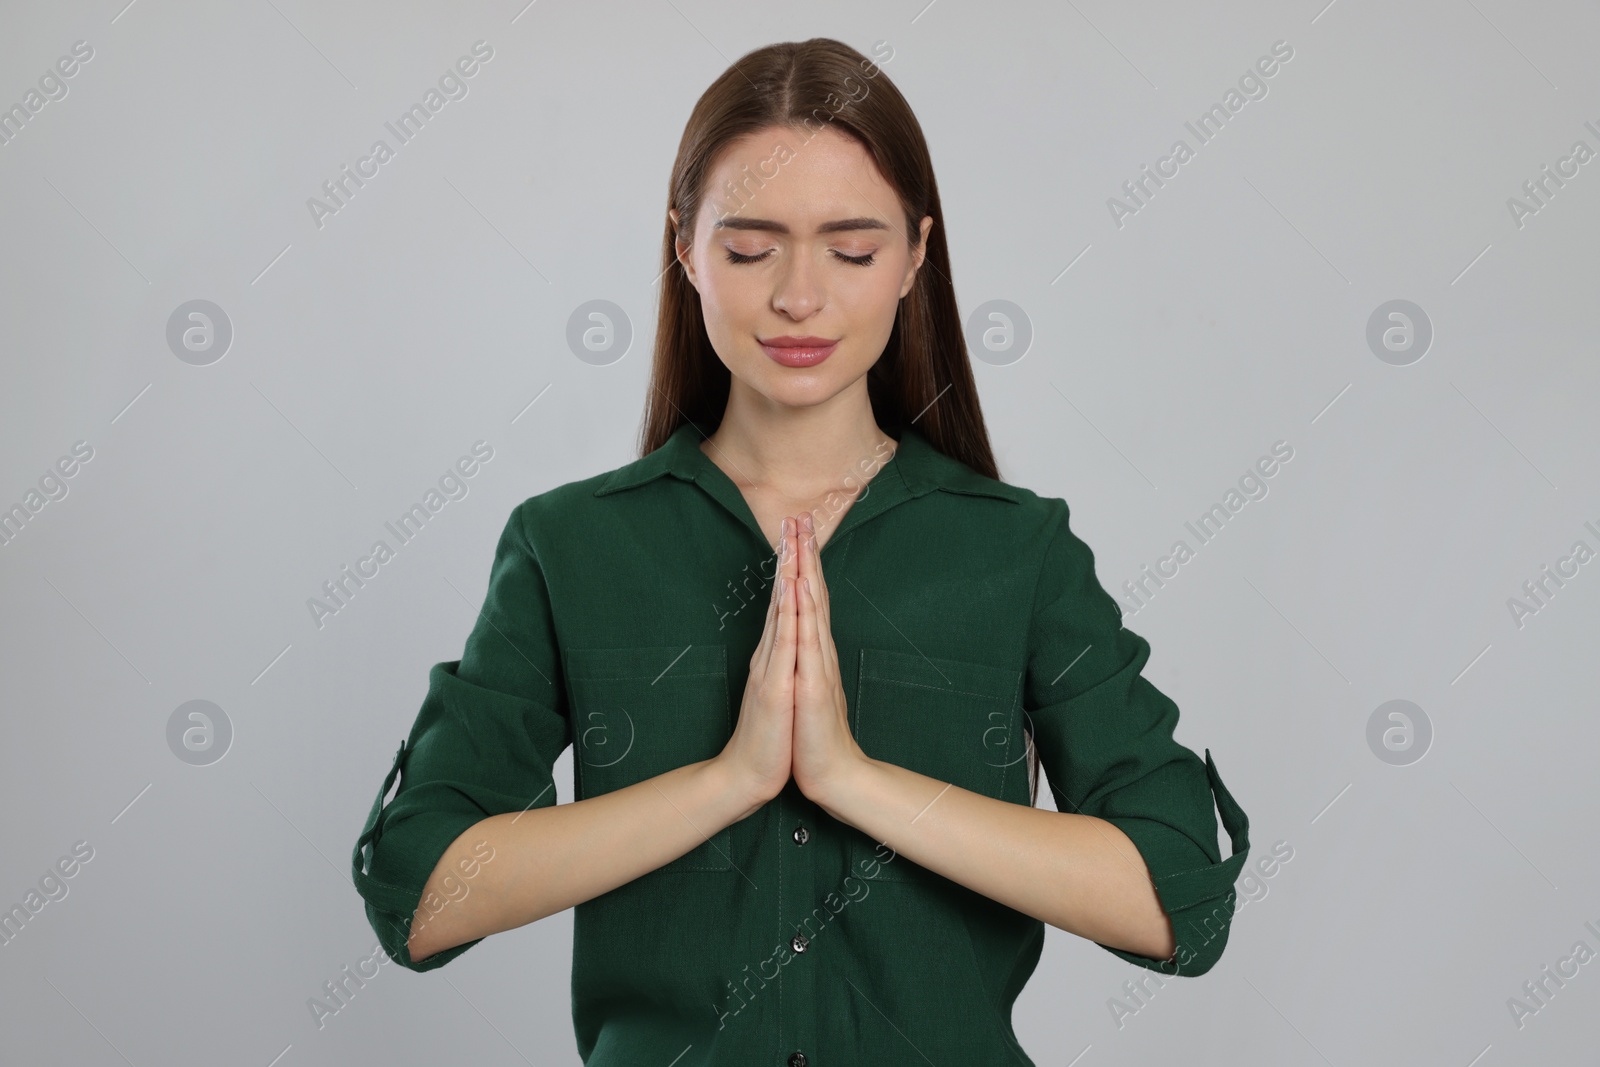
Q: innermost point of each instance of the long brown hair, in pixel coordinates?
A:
(924, 375)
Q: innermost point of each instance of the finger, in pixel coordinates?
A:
(802, 557)
(827, 652)
(819, 597)
(783, 652)
(808, 651)
(830, 653)
(819, 585)
(764, 646)
(769, 633)
(805, 599)
(791, 558)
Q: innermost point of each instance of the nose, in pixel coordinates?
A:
(798, 291)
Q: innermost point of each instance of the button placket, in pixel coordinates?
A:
(798, 977)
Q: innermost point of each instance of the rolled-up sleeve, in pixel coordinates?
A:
(1105, 738)
(484, 742)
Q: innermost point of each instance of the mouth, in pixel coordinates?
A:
(798, 351)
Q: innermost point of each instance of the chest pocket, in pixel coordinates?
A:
(952, 720)
(640, 712)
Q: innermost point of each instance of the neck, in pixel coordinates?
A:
(801, 450)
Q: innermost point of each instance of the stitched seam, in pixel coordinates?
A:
(557, 694)
(724, 837)
(641, 677)
(385, 885)
(915, 873)
(1033, 601)
(861, 671)
(849, 540)
(780, 923)
(994, 1010)
(1208, 867)
(935, 688)
(1006, 767)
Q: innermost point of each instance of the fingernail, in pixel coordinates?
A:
(810, 527)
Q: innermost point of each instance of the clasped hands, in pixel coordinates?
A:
(794, 719)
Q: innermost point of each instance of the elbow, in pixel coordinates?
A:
(420, 946)
(1154, 942)
(427, 943)
(1201, 934)
(1192, 944)
(412, 945)
(1163, 945)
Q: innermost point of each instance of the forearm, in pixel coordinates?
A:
(548, 859)
(1076, 872)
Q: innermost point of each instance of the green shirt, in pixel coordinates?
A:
(621, 614)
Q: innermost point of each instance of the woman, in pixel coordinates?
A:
(845, 863)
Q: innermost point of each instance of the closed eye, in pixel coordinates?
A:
(860, 261)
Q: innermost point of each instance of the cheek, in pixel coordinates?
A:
(716, 312)
(880, 293)
(870, 304)
(731, 310)
(727, 299)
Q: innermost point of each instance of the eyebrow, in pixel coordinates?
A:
(738, 222)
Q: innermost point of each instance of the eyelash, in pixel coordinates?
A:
(860, 261)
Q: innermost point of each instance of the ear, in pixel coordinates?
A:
(681, 249)
(918, 255)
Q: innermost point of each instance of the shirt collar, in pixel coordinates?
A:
(920, 467)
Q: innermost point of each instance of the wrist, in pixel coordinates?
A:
(831, 792)
(743, 795)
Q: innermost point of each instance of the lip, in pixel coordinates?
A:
(798, 351)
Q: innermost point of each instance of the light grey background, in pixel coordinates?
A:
(1230, 312)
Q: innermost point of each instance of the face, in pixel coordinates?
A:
(800, 272)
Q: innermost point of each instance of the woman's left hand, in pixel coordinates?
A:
(824, 751)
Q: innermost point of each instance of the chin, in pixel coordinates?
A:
(800, 389)
(798, 398)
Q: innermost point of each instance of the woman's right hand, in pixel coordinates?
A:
(759, 753)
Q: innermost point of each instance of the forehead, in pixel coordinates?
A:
(798, 177)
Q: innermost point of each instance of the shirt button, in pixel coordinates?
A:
(797, 1059)
(801, 835)
(799, 943)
